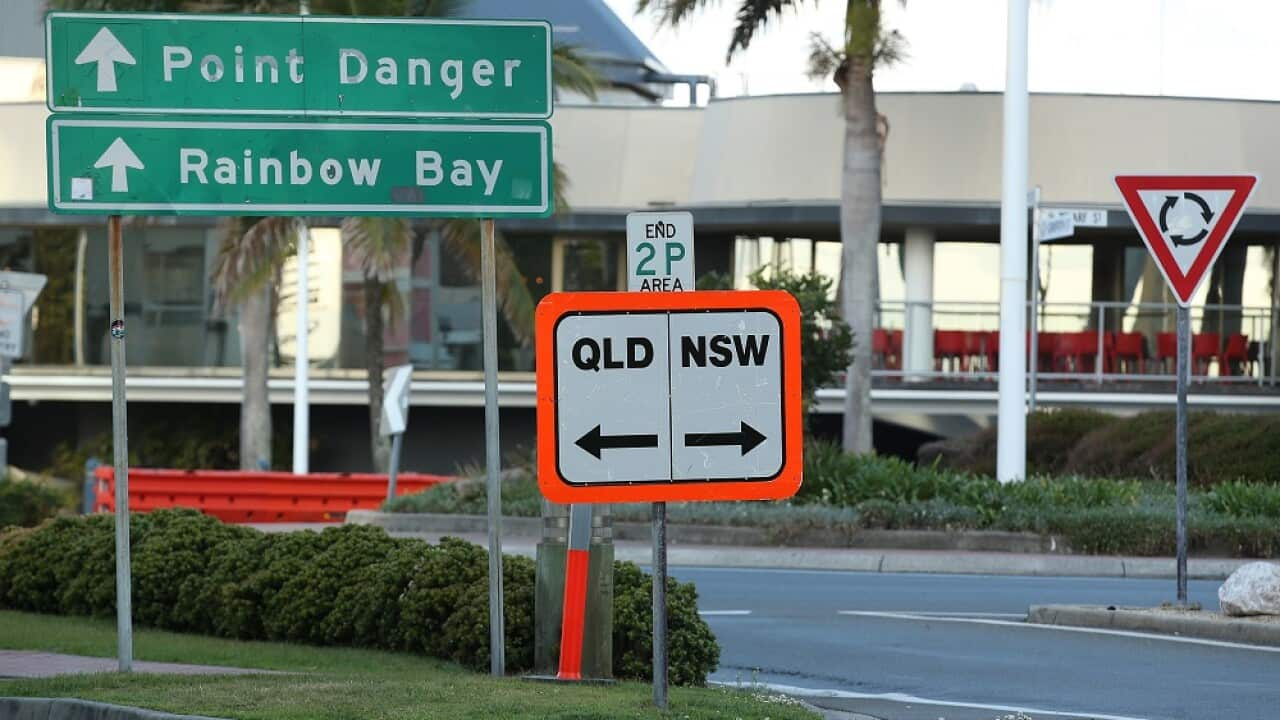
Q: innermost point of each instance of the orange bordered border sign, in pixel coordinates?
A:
(657, 397)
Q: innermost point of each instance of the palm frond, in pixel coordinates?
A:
(461, 238)
(378, 245)
(570, 70)
(824, 58)
(560, 184)
(670, 12)
(248, 259)
(752, 17)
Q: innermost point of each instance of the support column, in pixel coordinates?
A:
(917, 274)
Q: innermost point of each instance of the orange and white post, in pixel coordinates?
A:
(573, 623)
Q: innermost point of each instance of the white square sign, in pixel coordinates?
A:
(660, 251)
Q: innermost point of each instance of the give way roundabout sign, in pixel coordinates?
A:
(668, 396)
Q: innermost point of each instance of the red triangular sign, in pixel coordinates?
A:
(1185, 221)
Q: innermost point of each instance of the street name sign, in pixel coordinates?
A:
(1055, 226)
(1185, 220)
(660, 251)
(656, 397)
(297, 65)
(168, 166)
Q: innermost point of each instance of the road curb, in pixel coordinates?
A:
(736, 535)
(12, 708)
(898, 551)
(1196, 624)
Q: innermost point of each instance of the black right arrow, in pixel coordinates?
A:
(747, 438)
(593, 442)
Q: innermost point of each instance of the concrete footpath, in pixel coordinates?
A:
(35, 664)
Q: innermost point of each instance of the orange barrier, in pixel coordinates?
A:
(256, 497)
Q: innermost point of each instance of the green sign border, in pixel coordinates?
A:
(59, 206)
(297, 112)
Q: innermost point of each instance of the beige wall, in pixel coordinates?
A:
(943, 148)
(22, 165)
(626, 157)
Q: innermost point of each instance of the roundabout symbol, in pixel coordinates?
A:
(1183, 224)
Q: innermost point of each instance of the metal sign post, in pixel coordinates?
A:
(660, 605)
(492, 458)
(120, 447)
(1180, 431)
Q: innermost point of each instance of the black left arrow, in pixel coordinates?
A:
(593, 442)
(747, 438)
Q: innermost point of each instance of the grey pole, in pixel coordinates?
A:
(1184, 350)
(394, 469)
(660, 605)
(120, 448)
(1033, 362)
(493, 470)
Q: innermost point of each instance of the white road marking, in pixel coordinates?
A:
(1063, 628)
(724, 612)
(903, 698)
(959, 613)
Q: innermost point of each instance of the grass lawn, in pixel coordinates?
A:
(337, 682)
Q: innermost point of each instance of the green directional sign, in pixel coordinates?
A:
(179, 166)
(297, 65)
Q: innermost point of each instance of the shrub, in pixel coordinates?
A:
(1244, 500)
(349, 585)
(693, 652)
(24, 503)
(469, 496)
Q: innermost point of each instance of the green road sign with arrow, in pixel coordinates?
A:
(166, 166)
(298, 65)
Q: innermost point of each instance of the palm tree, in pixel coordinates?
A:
(865, 46)
(247, 274)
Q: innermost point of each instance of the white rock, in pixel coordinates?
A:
(1253, 589)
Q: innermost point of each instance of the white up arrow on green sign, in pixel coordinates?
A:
(105, 51)
(228, 167)
(297, 65)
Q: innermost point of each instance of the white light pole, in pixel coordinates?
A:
(1011, 447)
(301, 356)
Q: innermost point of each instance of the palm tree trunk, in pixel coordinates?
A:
(373, 358)
(859, 233)
(255, 403)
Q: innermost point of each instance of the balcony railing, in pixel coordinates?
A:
(1099, 342)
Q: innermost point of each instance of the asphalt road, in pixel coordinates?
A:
(925, 647)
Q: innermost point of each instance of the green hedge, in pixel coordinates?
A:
(25, 503)
(1222, 447)
(348, 585)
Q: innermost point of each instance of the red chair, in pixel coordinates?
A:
(1236, 350)
(1167, 351)
(886, 349)
(895, 350)
(950, 345)
(992, 345)
(1046, 347)
(975, 349)
(1205, 348)
(1076, 352)
(1130, 351)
